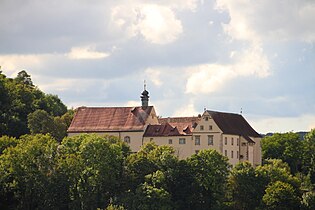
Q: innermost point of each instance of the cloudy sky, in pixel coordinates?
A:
(224, 55)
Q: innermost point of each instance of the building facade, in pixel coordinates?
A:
(228, 133)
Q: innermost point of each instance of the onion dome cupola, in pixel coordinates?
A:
(145, 97)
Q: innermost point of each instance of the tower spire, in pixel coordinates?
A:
(144, 96)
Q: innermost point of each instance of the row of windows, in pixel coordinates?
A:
(202, 127)
(232, 154)
(232, 141)
(210, 140)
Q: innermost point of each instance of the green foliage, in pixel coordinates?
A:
(92, 166)
(286, 146)
(281, 196)
(19, 98)
(210, 169)
(114, 207)
(309, 155)
(245, 187)
(6, 142)
(41, 122)
(26, 172)
(308, 200)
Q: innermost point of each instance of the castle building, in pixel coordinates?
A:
(228, 133)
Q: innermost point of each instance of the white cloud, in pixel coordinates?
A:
(207, 78)
(186, 111)
(86, 52)
(157, 24)
(269, 19)
(12, 64)
(154, 76)
(265, 124)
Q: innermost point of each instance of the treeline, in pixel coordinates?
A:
(92, 171)
(25, 109)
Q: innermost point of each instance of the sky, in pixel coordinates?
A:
(251, 56)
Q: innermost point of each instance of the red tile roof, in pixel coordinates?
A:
(161, 130)
(185, 125)
(102, 119)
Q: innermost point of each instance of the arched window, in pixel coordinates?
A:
(127, 139)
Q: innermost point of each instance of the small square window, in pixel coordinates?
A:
(170, 141)
(151, 139)
(206, 118)
(182, 141)
(201, 127)
(197, 140)
(210, 127)
(210, 140)
(127, 139)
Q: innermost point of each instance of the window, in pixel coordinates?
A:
(170, 141)
(210, 140)
(237, 154)
(201, 127)
(197, 140)
(237, 141)
(243, 144)
(127, 139)
(182, 141)
(210, 127)
(206, 118)
(232, 154)
(225, 152)
(225, 141)
(196, 151)
(232, 142)
(151, 139)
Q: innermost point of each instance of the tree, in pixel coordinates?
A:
(309, 155)
(286, 146)
(308, 200)
(19, 98)
(24, 78)
(26, 173)
(152, 194)
(92, 167)
(211, 170)
(6, 142)
(40, 122)
(245, 188)
(281, 196)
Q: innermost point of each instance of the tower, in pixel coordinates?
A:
(144, 97)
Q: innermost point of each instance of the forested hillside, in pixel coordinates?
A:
(25, 109)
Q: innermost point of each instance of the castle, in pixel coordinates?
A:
(228, 133)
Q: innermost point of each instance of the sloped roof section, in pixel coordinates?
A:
(185, 125)
(161, 130)
(102, 119)
(234, 124)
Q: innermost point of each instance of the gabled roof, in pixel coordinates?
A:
(161, 130)
(102, 119)
(185, 125)
(234, 124)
